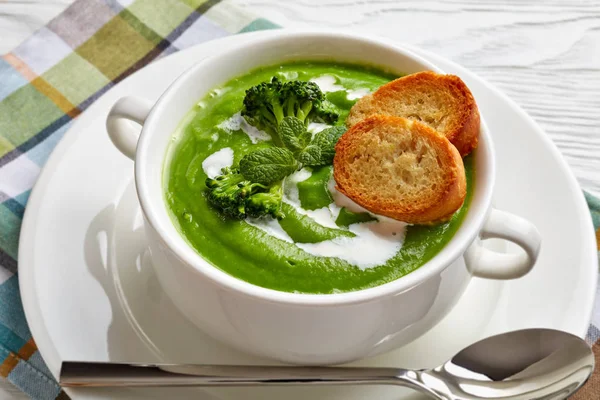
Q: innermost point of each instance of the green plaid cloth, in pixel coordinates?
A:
(47, 81)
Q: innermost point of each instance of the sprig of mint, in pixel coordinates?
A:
(311, 153)
(268, 165)
(310, 156)
(272, 164)
(294, 134)
(325, 141)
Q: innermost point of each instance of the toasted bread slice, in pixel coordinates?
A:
(401, 169)
(442, 102)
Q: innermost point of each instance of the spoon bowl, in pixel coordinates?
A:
(531, 364)
(527, 364)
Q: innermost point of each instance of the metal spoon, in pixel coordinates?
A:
(528, 364)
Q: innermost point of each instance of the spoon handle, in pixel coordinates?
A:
(95, 374)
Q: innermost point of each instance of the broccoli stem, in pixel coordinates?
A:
(278, 111)
(291, 106)
(267, 115)
(304, 111)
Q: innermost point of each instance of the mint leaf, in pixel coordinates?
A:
(318, 152)
(310, 156)
(322, 148)
(268, 165)
(326, 141)
(294, 134)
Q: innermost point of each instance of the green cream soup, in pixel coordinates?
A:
(323, 244)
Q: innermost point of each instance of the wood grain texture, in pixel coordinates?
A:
(545, 55)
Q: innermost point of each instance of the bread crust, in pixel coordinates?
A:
(369, 148)
(443, 102)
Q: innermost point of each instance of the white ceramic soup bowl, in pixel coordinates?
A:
(305, 328)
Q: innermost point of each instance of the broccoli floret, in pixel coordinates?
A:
(229, 192)
(262, 106)
(266, 203)
(239, 198)
(305, 101)
(266, 104)
(327, 113)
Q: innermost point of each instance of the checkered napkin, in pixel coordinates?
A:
(52, 77)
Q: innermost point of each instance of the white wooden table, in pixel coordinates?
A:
(545, 54)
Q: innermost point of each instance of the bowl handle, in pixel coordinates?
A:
(485, 263)
(120, 130)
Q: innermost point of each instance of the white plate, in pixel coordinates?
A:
(89, 292)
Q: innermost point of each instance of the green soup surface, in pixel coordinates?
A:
(247, 252)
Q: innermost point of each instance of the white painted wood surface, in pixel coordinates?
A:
(543, 54)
